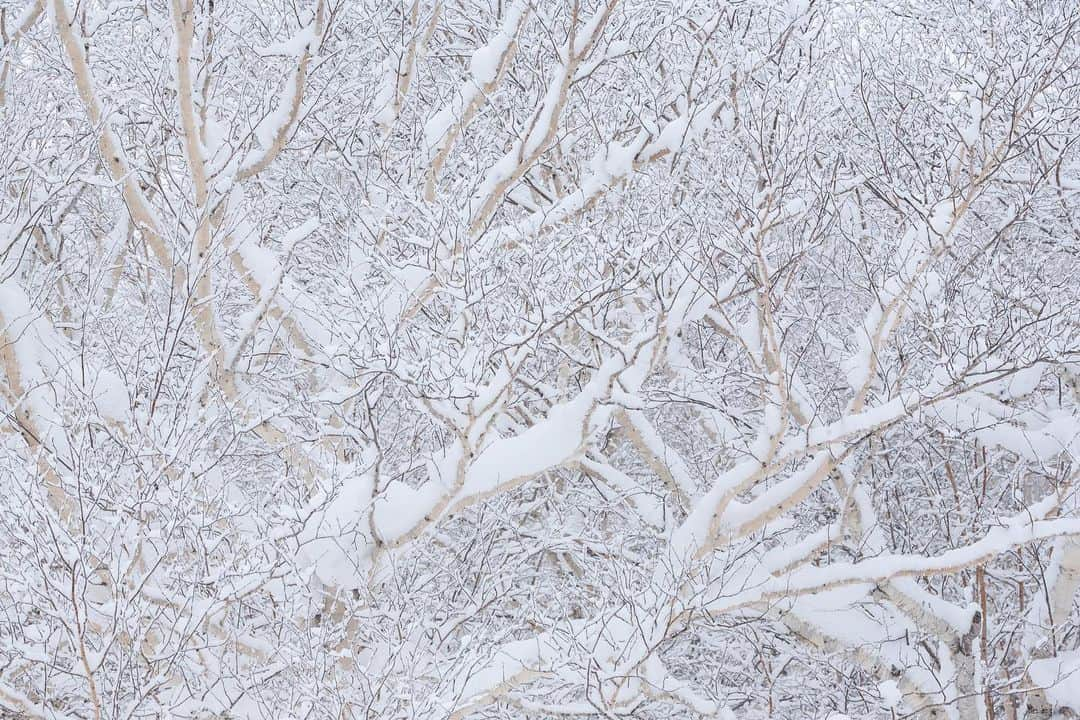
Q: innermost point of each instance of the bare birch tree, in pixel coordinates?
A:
(464, 358)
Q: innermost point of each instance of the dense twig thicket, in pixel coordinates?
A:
(439, 359)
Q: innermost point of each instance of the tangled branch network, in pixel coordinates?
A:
(500, 359)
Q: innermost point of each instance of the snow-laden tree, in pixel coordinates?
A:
(531, 358)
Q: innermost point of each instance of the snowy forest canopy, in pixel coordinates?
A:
(445, 359)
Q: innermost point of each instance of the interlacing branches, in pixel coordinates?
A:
(479, 359)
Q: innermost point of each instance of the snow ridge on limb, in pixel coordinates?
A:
(486, 69)
(183, 16)
(400, 67)
(267, 276)
(1047, 665)
(1021, 530)
(470, 473)
(112, 151)
(541, 129)
(663, 459)
(36, 361)
(23, 23)
(558, 439)
(274, 129)
(618, 161)
(522, 664)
